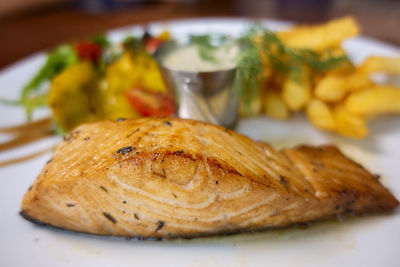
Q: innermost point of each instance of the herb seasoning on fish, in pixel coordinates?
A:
(125, 150)
(109, 217)
(160, 225)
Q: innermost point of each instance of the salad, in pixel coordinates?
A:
(303, 69)
(94, 80)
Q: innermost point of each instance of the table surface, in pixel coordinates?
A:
(36, 29)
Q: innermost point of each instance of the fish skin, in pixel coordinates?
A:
(169, 178)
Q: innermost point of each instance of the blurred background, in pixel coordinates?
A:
(27, 26)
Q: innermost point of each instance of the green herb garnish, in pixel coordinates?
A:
(101, 40)
(133, 43)
(208, 44)
(257, 42)
(204, 46)
(249, 73)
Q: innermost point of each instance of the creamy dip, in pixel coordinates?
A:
(189, 59)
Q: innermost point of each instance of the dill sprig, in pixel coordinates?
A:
(207, 44)
(283, 58)
(258, 42)
(205, 48)
(249, 72)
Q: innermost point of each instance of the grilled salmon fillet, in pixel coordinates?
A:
(167, 178)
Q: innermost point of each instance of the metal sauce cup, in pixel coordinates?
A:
(205, 96)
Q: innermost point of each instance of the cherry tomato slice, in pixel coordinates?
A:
(152, 44)
(88, 50)
(150, 104)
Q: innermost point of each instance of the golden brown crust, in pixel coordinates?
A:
(164, 178)
(337, 178)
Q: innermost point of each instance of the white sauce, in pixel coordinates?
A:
(188, 59)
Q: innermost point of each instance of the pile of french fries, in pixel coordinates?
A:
(342, 100)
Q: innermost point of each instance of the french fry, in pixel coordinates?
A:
(320, 115)
(274, 107)
(297, 91)
(250, 110)
(374, 100)
(164, 36)
(340, 98)
(348, 123)
(334, 87)
(322, 36)
(331, 88)
(295, 94)
(388, 65)
(356, 81)
(333, 52)
(342, 68)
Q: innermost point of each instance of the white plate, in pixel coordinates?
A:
(366, 241)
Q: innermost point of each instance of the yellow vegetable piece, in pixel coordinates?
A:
(321, 37)
(348, 123)
(320, 115)
(274, 107)
(331, 88)
(121, 75)
(111, 105)
(374, 100)
(69, 96)
(135, 70)
(389, 65)
(109, 99)
(148, 73)
(131, 70)
(164, 36)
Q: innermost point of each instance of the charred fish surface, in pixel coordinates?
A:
(158, 178)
